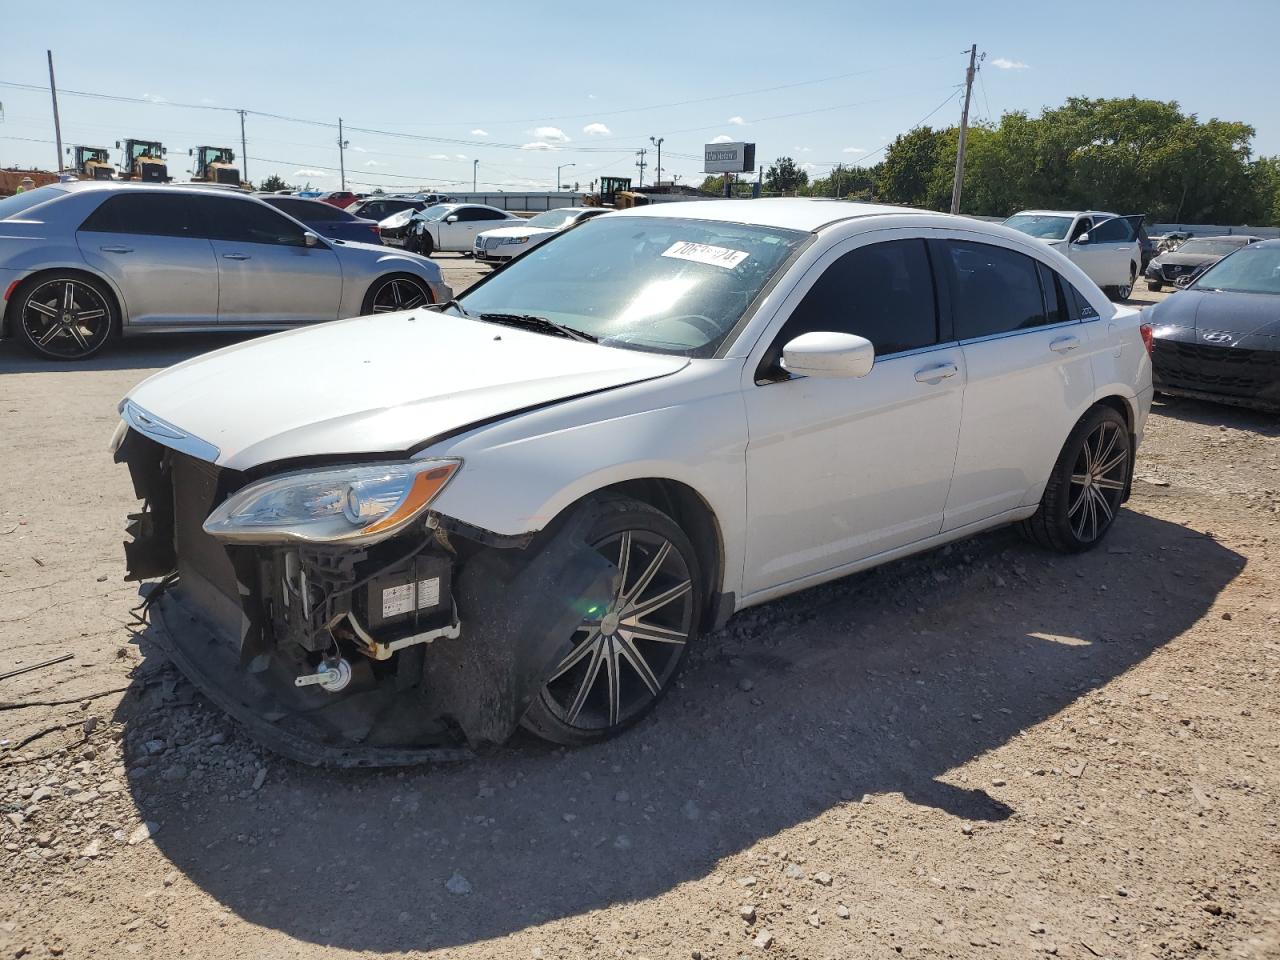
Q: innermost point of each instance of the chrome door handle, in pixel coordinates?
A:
(1064, 344)
(235, 256)
(936, 373)
(116, 249)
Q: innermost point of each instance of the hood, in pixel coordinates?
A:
(1190, 259)
(376, 384)
(398, 219)
(517, 231)
(1242, 315)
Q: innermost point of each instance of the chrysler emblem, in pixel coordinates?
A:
(1218, 337)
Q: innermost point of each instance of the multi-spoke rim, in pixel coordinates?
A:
(66, 318)
(400, 294)
(624, 654)
(1097, 481)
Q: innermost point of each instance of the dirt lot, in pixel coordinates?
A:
(985, 751)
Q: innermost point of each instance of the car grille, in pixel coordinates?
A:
(1230, 371)
(1172, 271)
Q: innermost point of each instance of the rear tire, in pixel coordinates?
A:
(64, 315)
(1157, 287)
(627, 657)
(1087, 485)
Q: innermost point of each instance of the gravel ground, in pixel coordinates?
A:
(984, 751)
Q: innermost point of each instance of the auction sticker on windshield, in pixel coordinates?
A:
(706, 253)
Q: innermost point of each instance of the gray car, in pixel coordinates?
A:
(81, 262)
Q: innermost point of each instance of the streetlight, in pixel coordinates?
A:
(558, 169)
(475, 172)
(658, 143)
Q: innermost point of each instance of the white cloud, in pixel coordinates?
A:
(477, 132)
(596, 130)
(737, 121)
(154, 98)
(358, 149)
(723, 138)
(549, 134)
(809, 167)
(537, 145)
(304, 172)
(460, 156)
(373, 163)
(438, 156)
(854, 150)
(1004, 63)
(592, 96)
(803, 149)
(207, 101)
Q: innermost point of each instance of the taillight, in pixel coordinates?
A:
(377, 231)
(1147, 338)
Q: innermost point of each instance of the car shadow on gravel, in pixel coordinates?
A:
(152, 351)
(1211, 414)
(881, 683)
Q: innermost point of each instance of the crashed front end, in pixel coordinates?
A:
(329, 610)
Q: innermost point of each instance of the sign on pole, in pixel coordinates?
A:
(729, 158)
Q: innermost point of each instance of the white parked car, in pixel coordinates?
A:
(504, 243)
(1104, 245)
(453, 226)
(402, 533)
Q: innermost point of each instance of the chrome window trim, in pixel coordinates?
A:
(1019, 332)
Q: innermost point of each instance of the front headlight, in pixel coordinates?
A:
(515, 240)
(356, 504)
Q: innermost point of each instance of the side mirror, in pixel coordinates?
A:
(822, 354)
(1083, 238)
(310, 239)
(451, 218)
(191, 152)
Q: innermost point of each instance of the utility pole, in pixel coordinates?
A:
(57, 124)
(244, 151)
(958, 185)
(658, 143)
(342, 156)
(641, 164)
(475, 172)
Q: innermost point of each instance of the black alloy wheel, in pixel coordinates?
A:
(64, 317)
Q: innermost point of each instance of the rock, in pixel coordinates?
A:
(793, 872)
(41, 793)
(44, 840)
(458, 885)
(259, 778)
(814, 921)
(763, 940)
(823, 878)
(217, 739)
(746, 684)
(999, 783)
(690, 810)
(91, 850)
(1213, 908)
(143, 831)
(569, 817)
(967, 829)
(171, 878)
(747, 912)
(622, 797)
(842, 911)
(175, 773)
(89, 725)
(110, 786)
(154, 747)
(1056, 839)
(746, 881)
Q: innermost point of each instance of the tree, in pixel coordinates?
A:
(273, 183)
(846, 183)
(713, 185)
(785, 177)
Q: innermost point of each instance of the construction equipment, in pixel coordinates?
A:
(607, 196)
(92, 163)
(215, 165)
(143, 160)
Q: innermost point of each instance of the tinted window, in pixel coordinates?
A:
(883, 292)
(466, 214)
(1079, 307)
(244, 221)
(1115, 230)
(310, 212)
(491, 215)
(995, 290)
(153, 214)
(1055, 302)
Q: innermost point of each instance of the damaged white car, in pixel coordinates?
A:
(394, 538)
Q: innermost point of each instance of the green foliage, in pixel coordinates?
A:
(846, 183)
(273, 183)
(1127, 155)
(785, 177)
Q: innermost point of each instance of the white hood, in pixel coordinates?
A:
(377, 384)
(517, 232)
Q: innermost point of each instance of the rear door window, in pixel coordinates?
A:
(994, 290)
(244, 221)
(1115, 230)
(146, 214)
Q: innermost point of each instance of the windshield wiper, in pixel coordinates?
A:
(446, 305)
(530, 322)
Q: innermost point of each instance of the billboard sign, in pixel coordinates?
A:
(729, 158)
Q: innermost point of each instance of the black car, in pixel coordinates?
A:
(1219, 339)
(379, 208)
(325, 219)
(1191, 259)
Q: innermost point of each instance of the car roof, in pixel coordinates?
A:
(1065, 213)
(112, 186)
(1245, 237)
(790, 213)
(1269, 244)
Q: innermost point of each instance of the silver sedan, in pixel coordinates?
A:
(81, 262)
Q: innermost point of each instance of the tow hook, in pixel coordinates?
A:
(332, 675)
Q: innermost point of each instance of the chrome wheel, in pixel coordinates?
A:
(1097, 481)
(400, 293)
(65, 319)
(624, 654)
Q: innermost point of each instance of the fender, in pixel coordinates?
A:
(11, 277)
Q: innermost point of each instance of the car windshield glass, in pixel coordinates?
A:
(12, 206)
(1251, 270)
(438, 212)
(1211, 248)
(646, 283)
(553, 219)
(1040, 226)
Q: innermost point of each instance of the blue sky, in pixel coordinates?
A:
(525, 87)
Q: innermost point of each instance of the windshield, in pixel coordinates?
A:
(1040, 226)
(1250, 270)
(647, 283)
(553, 219)
(438, 212)
(1211, 248)
(12, 206)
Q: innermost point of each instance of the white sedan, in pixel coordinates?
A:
(1104, 245)
(504, 243)
(526, 506)
(453, 226)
